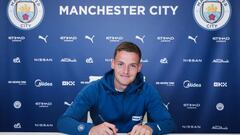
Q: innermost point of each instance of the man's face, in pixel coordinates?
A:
(126, 66)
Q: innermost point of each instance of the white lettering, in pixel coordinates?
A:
(63, 10)
(116, 10)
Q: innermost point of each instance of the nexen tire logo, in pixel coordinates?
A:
(188, 84)
(39, 83)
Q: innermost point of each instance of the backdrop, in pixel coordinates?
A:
(50, 49)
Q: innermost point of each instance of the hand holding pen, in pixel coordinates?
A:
(103, 129)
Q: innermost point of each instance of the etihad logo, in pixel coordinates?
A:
(168, 84)
(192, 60)
(17, 104)
(114, 39)
(68, 60)
(39, 83)
(164, 61)
(68, 83)
(67, 103)
(18, 82)
(220, 61)
(43, 125)
(191, 106)
(191, 126)
(90, 38)
(212, 14)
(43, 104)
(17, 60)
(43, 38)
(166, 39)
(141, 38)
(89, 60)
(220, 106)
(188, 84)
(17, 126)
(219, 127)
(68, 38)
(25, 14)
(16, 38)
(194, 39)
(91, 79)
(43, 60)
(221, 39)
(220, 84)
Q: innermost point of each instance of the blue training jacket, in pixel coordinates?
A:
(123, 109)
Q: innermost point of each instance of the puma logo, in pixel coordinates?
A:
(193, 39)
(90, 38)
(141, 38)
(43, 38)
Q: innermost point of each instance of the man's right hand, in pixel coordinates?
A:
(104, 129)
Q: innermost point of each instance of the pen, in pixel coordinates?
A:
(141, 122)
(101, 118)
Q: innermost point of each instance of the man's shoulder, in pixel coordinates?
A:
(92, 86)
(148, 87)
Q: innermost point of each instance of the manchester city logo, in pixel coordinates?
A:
(212, 14)
(25, 14)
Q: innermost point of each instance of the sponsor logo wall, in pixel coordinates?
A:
(49, 50)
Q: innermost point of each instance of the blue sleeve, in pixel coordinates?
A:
(159, 119)
(71, 122)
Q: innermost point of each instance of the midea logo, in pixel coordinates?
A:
(40, 83)
(189, 84)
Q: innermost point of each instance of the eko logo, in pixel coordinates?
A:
(212, 14)
(25, 14)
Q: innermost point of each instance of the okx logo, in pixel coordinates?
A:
(212, 14)
(25, 14)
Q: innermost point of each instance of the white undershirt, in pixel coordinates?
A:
(119, 90)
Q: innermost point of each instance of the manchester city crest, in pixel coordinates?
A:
(212, 14)
(25, 14)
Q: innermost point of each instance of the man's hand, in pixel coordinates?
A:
(104, 129)
(141, 130)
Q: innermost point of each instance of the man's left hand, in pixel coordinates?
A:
(141, 130)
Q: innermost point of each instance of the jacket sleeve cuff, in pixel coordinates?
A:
(70, 126)
(162, 128)
(155, 128)
(84, 128)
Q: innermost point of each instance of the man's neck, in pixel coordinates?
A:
(119, 87)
